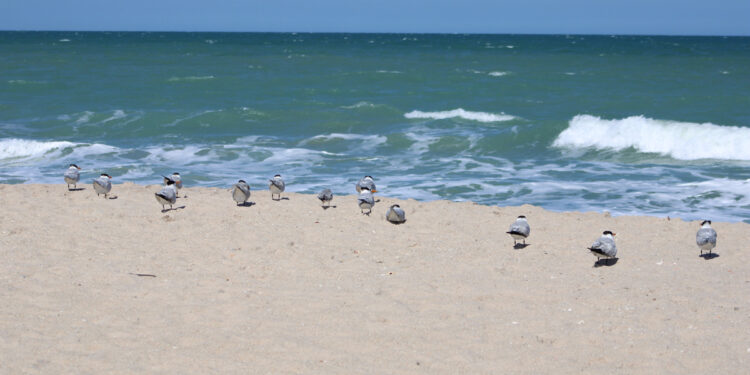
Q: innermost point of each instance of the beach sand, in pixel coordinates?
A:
(285, 287)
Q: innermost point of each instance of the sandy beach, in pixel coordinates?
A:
(114, 286)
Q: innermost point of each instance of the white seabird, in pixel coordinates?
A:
(395, 214)
(325, 196)
(706, 237)
(167, 195)
(276, 186)
(519, 230)
(367, 182)
(365, 200)
(72, 176)
(241, 192)
(103, 184)
(604, 247)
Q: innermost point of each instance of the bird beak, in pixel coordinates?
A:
(374, 191)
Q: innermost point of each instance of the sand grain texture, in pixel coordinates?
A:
(287, 287)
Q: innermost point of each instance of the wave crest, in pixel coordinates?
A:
(461, 113)
(679, 140)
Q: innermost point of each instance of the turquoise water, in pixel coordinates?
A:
(626, 124)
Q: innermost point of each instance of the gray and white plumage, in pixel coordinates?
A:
(365, 200)
(241, 192)
(72, 176)
(276, 186)
(366, 182)
(395, 214)
(325, 196)
(103, 184)
(605, 246)
(519, 230)
(167, 195)
(706, 237)
(177, 180)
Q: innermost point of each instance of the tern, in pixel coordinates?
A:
(395, 214)
(241, 192)
(366, 182)
(365, 200)
(167, 195)
(103, 184)
(604, 247)
(277, 186)
(325, 196)
(706, 237)
(519, 230)
(72, 176)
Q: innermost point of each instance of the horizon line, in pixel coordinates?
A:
(376, 32)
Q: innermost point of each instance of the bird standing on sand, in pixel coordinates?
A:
(604, 247)
(241, 192)
(706, 237)
(365, 200)
(277, 186)
(367, 182)
(395, 214)
(167, 195)
(325, 196)
(103, 184)
(519, 230)
(177, 181)
(72, 176)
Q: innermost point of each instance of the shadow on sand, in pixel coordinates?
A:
(606, 262)
(520, 246)
(709, 256)
(246, 204)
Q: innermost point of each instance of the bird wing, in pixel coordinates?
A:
(72, 174)
(520, 227)
(705, 235)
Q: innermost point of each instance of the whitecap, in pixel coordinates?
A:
(497, 74)
(461, 113)
(679, 140)
(190, 78)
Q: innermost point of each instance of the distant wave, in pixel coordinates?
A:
(461, 113)
(360, 105)
(498, 74)
(190, 78)
(20, 149)
(679, 140)
(389, 72)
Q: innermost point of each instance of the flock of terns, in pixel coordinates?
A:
(602, 248)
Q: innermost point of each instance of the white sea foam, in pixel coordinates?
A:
(85, 117)
(190, 78)
(389, 72)
(362, 141)
(116, 115)
(360, 105)
(13, 150)
(22, 148)
(64, 40)
(679, 140)
(461, 113)
(498, 74)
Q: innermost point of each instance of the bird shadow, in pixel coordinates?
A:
(246, 204)
(397, 222)
(112, 197)
(606, 262)
(172, 209)
(327, 207)
(76, 189)
(281, 199)
(520, 246)
(709, 256)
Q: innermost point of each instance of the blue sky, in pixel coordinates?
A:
(667, 17)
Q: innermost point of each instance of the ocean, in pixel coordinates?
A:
(642, 125)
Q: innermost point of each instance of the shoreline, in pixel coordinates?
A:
(116, 286)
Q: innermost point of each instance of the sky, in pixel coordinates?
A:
(652, 17)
